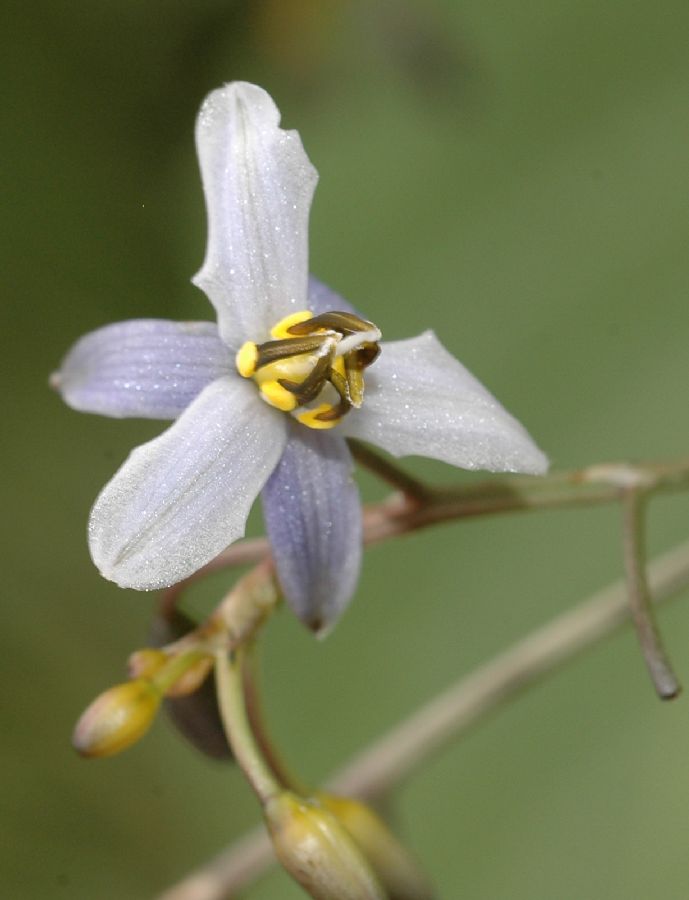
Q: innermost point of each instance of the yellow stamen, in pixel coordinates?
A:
(246, 359)
(313, 366)
(281, 330)
(309, 417)
(278, 396)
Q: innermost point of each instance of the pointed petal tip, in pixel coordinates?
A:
(312, 511)
(539, 465)
(258, 182)
(421, 401)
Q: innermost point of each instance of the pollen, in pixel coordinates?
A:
(247, 359)
(313, 366)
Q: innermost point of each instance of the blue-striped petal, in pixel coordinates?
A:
(143, 368)
(312, 512)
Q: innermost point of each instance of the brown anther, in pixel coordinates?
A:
(273, 351)
(308, 389)
(342, 322)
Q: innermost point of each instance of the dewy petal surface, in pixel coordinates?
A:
(147, 368)
(420, 400)
(258, 184)
(183, 497)
(312, 511)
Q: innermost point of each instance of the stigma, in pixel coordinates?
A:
(313, 368)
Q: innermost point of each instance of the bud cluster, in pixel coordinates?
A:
(121, 716)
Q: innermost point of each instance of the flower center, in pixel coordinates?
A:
(314, 366)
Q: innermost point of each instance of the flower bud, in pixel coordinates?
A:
(318, 852)
(117, 718)
(191, 680)
(146, 662)
(396, 870)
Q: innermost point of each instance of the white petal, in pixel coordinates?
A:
(420, 400)
(183, 497)
(258, 183)
(148, 368)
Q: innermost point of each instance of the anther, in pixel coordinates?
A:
(246, 359)
(315, 361)
(344, 323)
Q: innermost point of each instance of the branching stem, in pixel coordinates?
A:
(394, 756)
(398, 515)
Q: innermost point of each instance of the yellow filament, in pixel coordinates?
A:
(277, 396)
(246, 359)
(309, 419)
(280, 330)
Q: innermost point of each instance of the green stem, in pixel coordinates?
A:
(395, 756)
(230, 688)
(172, 671)
(258, 727)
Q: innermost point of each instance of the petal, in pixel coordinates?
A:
(420, 400)
(323, 299)
(183, 497)
(313, 518)
(258, 183)
(148, 368)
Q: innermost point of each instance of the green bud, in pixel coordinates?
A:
(117, 719)
(396, 870)
(318, 852)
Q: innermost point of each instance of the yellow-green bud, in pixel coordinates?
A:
(117, 718)
(146, 662)
(191, 680)
(396, 870)
(318, 852)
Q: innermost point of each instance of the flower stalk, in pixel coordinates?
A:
(229, 680)
(396, 755)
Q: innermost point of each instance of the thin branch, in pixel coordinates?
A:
(395, 756)
(639, 596)
(390, 472)
(229, 682)
(398, 515)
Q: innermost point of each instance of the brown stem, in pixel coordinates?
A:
(397, 515)
(633, 538)
(390, 472)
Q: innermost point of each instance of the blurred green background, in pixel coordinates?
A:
(513, 175)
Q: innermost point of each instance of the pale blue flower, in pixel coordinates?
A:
(182, 498)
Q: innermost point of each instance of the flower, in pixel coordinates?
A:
(260, 415)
